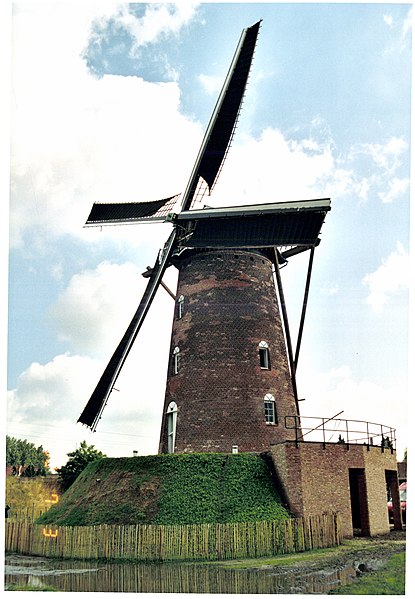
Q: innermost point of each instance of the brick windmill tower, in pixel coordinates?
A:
(231, 374)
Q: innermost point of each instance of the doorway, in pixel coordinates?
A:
(358, 500)
(394, 504)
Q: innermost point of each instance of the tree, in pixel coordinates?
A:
(77, 462)
(25, 459)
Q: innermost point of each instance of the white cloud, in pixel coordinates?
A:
(329, 290)
(50, 391)
(45, 405)
(388, 155)
(76, 139)
(402, 40)
(276, 168)
(55, 181)
(338, 390)
(407, 24)
(397, 187)
(391, 277)
(369, 169)
(49, 398)
(97, 306)
(93, 313)
(362, 189)
(388, 19)
(212, 84)
(158, 19)
(56, 271)
(278, 161)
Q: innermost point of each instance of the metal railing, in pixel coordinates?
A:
(338, 430)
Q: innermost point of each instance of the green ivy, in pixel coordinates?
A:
(171, 489)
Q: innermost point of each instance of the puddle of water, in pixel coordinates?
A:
(68, 575)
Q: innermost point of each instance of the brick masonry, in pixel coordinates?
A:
(229, 307)
(316, 480)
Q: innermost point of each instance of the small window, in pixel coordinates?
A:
(269, 408)
(171, 426)
(176, 360)
(264, 359)
(180, 307)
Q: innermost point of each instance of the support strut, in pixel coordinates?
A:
(286, 329)
(306, 290)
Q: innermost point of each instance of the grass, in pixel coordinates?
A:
(29, 587)
(332, 553)
(390, 580)
(170, 489)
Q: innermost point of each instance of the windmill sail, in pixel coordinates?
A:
(222, 123)
(212, 153)
(208, 163)
(93, 409)
(118, 213)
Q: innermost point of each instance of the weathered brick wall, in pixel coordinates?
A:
(230, 306)
(316, 480)
(287, 464)
(375, 464)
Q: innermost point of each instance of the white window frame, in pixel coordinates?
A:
(176, 360)
(270, 409)
(171, 426)
(264, 357)
(180, 307)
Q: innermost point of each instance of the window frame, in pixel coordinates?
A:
(171, 424)
(264, 356)
(270, 409)
(180, 307)
(176, 360)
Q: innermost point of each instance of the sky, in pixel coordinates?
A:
(109, 102)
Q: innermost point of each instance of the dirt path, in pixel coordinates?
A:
(363, 554)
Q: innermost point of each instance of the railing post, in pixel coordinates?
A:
(324, 434)
(347, 433)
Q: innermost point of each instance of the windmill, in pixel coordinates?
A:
(231, 378)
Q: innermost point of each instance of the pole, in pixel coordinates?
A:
(307, 288)
(286, 329)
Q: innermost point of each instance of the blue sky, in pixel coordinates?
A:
(109, 103)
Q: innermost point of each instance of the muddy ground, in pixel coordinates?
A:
(362, 553)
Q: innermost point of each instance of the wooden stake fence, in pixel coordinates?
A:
(191, 542)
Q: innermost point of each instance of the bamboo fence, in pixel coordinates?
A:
(28, 513)
(190, 542)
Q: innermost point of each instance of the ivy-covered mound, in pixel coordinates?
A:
(170, 489)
